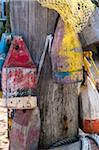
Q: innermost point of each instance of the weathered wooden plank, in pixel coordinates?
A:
(19, 17)
(37, 30)
(58, 107)
(52, 19)
(12, 22)
(20, 102)
(25, 131)
(41, 23)
(58, 104)
(33, 22)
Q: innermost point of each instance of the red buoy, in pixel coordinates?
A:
(19, 77)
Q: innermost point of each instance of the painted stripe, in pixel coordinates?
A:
(91, 126)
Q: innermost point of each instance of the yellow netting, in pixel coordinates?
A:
(76, 12)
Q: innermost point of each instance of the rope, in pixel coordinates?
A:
(63, 142)
(84, 143)
(95, 138)
(87, 65)
(84, 139)
(47, 46)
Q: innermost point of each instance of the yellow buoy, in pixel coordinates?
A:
(67, 57)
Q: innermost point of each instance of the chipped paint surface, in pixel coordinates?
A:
(89, 113)
(66, 55)
(18, 81)
(19, 76)
(66, 52)
(25, 130)
(4, 46)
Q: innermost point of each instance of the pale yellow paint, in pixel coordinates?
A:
(69, 44)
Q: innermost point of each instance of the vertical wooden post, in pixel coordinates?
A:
(8, 15)
(58, 107)
(58, 103)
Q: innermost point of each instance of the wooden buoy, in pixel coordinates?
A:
(19, 77)
(89, 108)
(66, 55)
(24, 134)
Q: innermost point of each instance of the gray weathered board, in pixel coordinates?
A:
(32, 22)
(90, 34)
(58, 103)
(59, 106)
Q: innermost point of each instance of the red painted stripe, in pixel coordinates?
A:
(91, 126)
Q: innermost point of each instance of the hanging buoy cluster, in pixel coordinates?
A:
(19, 77)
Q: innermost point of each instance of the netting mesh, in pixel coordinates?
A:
(76, 12)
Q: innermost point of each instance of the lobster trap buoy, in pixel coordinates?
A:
(25, 131)
(66, 55)
(19, 77)
(89, 107)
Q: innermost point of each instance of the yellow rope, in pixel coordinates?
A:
(87, 65)
(97, 71)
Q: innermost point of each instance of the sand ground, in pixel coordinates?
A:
(3, 129)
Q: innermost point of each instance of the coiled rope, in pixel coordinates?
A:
(84, 139)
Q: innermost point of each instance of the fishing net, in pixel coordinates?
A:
(76, 12)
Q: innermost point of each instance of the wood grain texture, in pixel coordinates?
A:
(24, 134)
(58, 104)
(58, 107)
(33, 22)
(19, 18)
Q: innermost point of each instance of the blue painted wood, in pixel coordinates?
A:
(4, 48)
